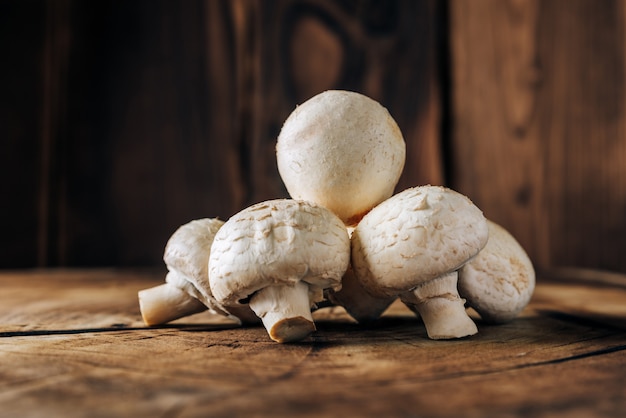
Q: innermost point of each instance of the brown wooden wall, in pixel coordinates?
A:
(121, 120)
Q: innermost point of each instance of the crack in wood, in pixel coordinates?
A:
(185, 327)
(602, 351)
(599, 352)
(593, 320)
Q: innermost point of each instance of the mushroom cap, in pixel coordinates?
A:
(187, 256)
(278, 241)
(416, 235)
(499, 282)
(342, 150)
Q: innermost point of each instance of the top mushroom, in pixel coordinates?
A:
(341, 150)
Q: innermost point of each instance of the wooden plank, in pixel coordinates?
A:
(538, 112)
(128, 119)
(122, 125)
(76, 345)
(172, 111)
(154, 140)
(22, 149)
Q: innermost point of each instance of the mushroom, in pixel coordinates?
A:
(499, 282)
(411, 246)
(169, 301)
(278, 256)
(186, 290)
(359, 304)
(341, 150)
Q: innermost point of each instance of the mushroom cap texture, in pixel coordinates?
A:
(187, 254)
(499, 282)
(277, 242)
(342, 150)
(416, 235)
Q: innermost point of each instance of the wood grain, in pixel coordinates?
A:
(538, 92)
(120, 121)
(23, 158)
(158, 145)
(132, 118)
(72, 343)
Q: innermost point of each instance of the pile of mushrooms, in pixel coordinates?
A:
(344, 238)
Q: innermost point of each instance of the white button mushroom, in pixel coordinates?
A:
(359, 304)
(412, 244)
(278, 256)
(342, 150)
(499, 282)
(186, 290)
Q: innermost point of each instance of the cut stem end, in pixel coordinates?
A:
(285, 311)
(441, 308)
(165, 303)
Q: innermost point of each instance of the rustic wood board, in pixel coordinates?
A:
(537, 116)
(72, 344)
(120, 121)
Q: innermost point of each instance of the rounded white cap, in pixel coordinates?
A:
(279, 241)
(415, 236)
(499, 282)
(187, 255)
(342, 150)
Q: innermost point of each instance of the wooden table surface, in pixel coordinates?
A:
(72, 344)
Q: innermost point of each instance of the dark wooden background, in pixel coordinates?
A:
(122, 120)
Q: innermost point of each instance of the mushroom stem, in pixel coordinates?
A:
(165, 303)
(441, 308)
(285, 311)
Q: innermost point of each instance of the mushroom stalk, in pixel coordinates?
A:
(285, 311)
(167, 302)
(441, 308)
